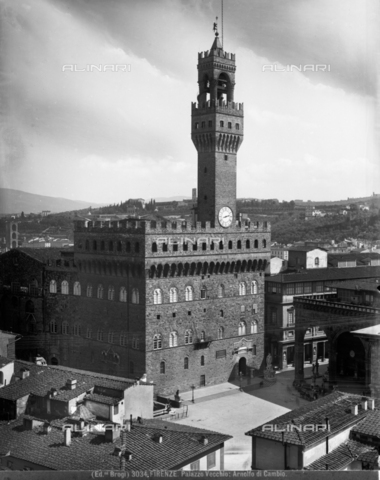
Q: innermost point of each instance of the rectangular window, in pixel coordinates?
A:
(221, 123)
(253, 349)
(237, 126)
(299, 288)
(318, 287)
(210, 123)
(229, 125)
(203, 124)
(196, 125)
(273, 316)
(116, 409)
(175, 247)
(221, 354)
(211, 460)
(307, 288)
(195, 465)
(290, 317)
(290, 289)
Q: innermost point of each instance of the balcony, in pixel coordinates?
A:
(201, 343)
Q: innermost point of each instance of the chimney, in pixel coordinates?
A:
(67, 434)
(112, 433)
(25, 372)
(47, 428)
(82, 424)
(354, 409)
(158, 438)
(204, 440)
(71, 384)
(371, 404)
(364, 404)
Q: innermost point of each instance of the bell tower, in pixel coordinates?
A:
(217, 133)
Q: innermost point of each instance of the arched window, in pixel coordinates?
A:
(221, 246)
(254, 287)
(188, 337)
(65, 328)
(100, 291)
(157, 341)
(247, 244)
(203, 336)
(230, 245)
(53, 327)
(316, 261)
(256, 244)
(221, 313)
(173, 339)
(154, 247)
(77, 289)
(162, 368)
(264, 243)
(123, 294)
(203, 293)
(128, 247)
(254, 327)
(87, 245)
(242, 328)
(157, 296)
(111, 292)
(110, 246)
(89, 290)
(202, 360)
(94, 245)
(65, 287)
(173, 295)
(220, 333)
(89, 333)
(102, 245)
(189, 293)
(239, 244)
(119, 246)
(110, 337)
(242, 288)
(53, 286)
(99, 335)
(186, 363)
(77, 329)
(135, 296)
(137, 247)
(221, 291)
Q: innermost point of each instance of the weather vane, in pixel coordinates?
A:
(215, 28)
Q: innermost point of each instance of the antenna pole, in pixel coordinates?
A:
(222, 26)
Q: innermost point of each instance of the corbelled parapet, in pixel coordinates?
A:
(218, 106)
(151, 226)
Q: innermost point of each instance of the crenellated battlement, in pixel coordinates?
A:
(154, 227)
(216, 53)
(233, 108)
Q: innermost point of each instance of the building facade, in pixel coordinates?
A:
(182, 302)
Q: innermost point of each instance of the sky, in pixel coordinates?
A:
(106, 136)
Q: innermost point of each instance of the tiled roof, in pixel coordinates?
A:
(334, 406)
(325, 274)
(303, 248)
(343, 455)
(370, 425)
(369, 284)
(43, 378)
(91, 452)
(97, 397)
(42, 254)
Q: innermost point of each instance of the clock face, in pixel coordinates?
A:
(225, 216)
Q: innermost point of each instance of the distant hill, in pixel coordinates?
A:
(16, 201)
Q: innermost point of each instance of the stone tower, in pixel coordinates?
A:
(217, 133)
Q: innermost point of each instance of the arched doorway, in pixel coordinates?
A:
(54, 361)
(350, 358)
(243, 365)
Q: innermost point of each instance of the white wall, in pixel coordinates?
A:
(319, 450)
(7, 372)
(312, 255)
(203, 462)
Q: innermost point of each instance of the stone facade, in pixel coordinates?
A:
(113, 309)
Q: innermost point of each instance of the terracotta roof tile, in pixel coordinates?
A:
(91, 452)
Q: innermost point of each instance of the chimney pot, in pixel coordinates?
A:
(204, 440)
(354, 409)
(112, 433)
(371, 404)
(364, 404)
(67, 434)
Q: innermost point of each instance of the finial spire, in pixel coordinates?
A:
(215, 28)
